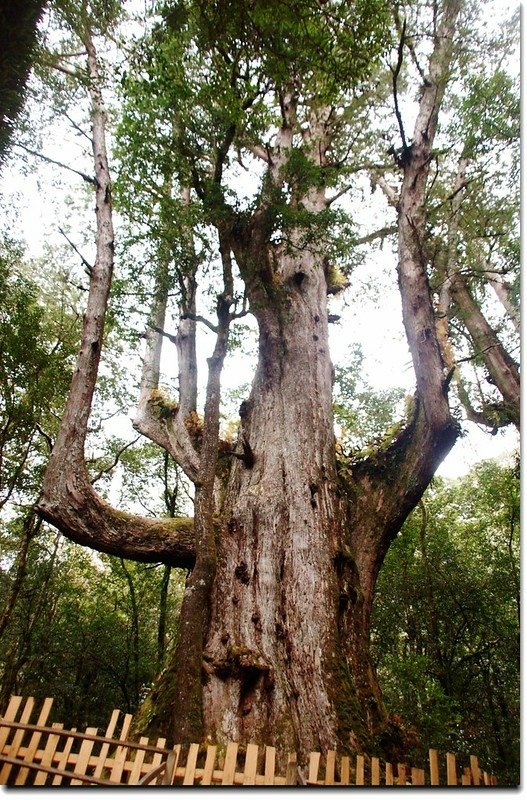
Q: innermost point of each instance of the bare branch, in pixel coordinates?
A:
(88, 178)
(170, 336)
(258, 151)
(114, 461)
(389, 191)
(76, 127)
(395, 74)
(89, 267)
(199, 318)
(380, 234)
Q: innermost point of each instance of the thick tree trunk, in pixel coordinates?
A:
(273, 664)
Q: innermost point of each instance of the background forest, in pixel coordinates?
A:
(94, 630)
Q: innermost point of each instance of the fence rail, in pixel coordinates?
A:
(38, 754)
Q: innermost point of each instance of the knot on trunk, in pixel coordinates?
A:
(240, 663)
(242, 572)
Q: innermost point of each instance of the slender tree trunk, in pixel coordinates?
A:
(502, 369)
(503, 293)
(32, 525)
(134, 633)
(162, 619)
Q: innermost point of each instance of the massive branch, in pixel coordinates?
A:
(68, 499)
(387, 486)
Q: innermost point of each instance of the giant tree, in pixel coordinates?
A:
(287, 539)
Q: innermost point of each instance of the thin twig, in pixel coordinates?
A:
(77, 127)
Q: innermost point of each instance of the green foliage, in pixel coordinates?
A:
(38, 341)
(311, 46)
(366, 417)
(84, 630)
(446, 619)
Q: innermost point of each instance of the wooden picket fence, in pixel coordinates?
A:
(38, 754)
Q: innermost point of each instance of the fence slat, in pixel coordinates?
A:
(251, 763)
(190, 769)
(32, 747)
(63, 757)
(434, 767)
(389, 774)
(48, 754)
(270, 765)
(105, 747)
(229, 768)
(451, 771)
(375, 772)
(314, 763)
(359, 771)
(208, 769)
(345, 772)
(330, 768)
(83, 758)
(171, 766)
(135, 772)
(475, 770)
(418, 776)
(9, 716)
(401, 774)
(120, 755)
(17, 740)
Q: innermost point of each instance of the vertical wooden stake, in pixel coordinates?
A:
(475, 770)
(229, 768)
(208, 769)
(330, 768)
(270, 763)
(451, 771)
(251, 763)
(291, 770)
(105, 746)
(345, 771)
(375, 772)
(418, 776)
(314, 763)
(47, 755)
(32, 747)
(434, 767)
(190, 769)
(359, 774)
